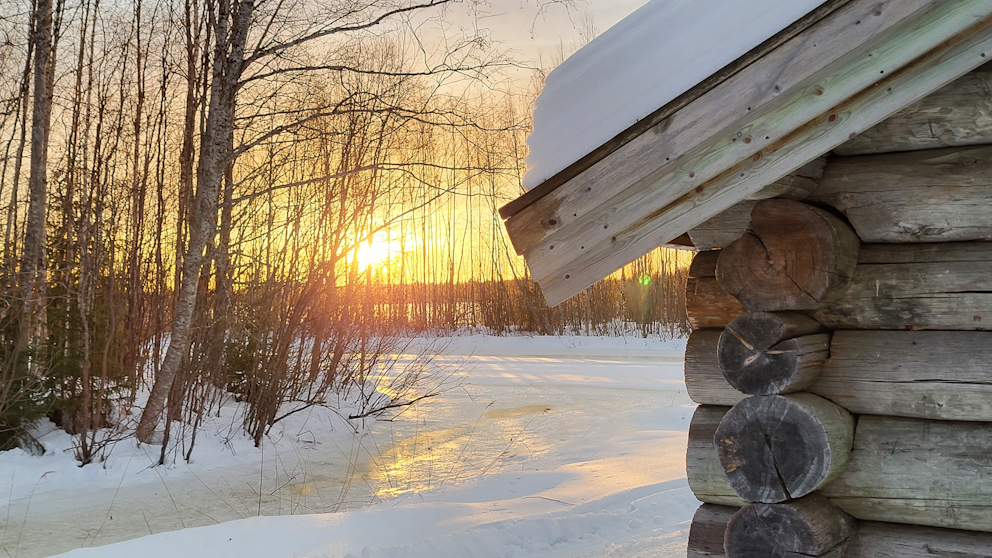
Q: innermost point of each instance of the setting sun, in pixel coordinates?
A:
(375, 253)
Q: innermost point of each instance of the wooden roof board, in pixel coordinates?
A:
(850, 70)
(659, 116)
(723, 111)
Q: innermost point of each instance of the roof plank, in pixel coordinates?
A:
(944, 60)
(650, 121)
(956, 116)
(717, 116)
(752, 135)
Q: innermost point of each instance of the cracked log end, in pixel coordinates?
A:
(810, 526)
(793, 257)
(762, 353)
(781, 447)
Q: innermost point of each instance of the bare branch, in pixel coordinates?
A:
(377, 20)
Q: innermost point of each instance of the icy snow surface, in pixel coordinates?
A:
(638, 66)
(551, 447)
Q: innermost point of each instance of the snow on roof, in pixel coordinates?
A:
(641, 64)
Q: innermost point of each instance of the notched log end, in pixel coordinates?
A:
(759, 354)
(793, 257)
(810, 526)
(776, 448)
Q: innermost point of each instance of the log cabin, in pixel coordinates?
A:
(832, 168)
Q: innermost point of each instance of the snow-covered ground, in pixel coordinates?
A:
(551, 447)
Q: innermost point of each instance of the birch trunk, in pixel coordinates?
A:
(33, 258)
(231, 33)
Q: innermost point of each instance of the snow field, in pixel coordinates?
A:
(550, 447)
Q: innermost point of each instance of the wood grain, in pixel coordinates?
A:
(808, 527)
(889, 540)
(939, 195)
(704, 264)
(704, 381)
(917, 287)
(923, 374)
(706, 303)
(780, 447)
(901, 470)
(709, 526)
(661, 115)
(934, 473)
(706, 478)
(958, 114)
(763, 353)
(766, 84)
(793, 257)
(729, 225)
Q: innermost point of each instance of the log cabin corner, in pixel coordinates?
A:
(836, 184)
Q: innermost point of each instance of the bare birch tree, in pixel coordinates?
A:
(32, 267)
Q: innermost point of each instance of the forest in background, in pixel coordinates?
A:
(186, 187)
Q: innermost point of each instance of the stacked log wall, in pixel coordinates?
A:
(711, 531)
(888, 260)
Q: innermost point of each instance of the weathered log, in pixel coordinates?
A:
(704, 264)
(706, 303)
(924, 286)
(940, 195)
(888, 540)
(870, 539)
(926, 374)
(763, 353)
(793, 257)
(728, 226)
(780, 447)
(792, 187)
(807, 527)
(935, 473)
(958, 114)
(706, 478)
(706, 534)
(703, 379)
(913, 471)
(721, 230)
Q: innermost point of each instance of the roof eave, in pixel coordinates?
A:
(768, 119)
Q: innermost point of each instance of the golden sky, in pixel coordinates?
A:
(524, 28)
(532, 30)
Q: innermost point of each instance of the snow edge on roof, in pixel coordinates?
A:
(630, 71)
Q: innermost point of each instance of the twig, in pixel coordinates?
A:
(509, 445)
(374, 411)
(167, 491)
(146, 522)
(112, 500)
(218, 496)
(261, 464)
(465, 447)
(27, 508)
